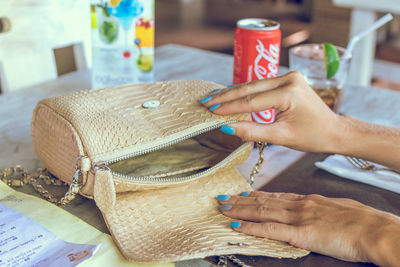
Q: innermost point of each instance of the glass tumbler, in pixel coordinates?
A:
(309, 60)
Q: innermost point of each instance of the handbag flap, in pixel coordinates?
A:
(184, 222)
(115, 122)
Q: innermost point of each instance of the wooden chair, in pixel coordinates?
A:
(364, 13)
(45, 39)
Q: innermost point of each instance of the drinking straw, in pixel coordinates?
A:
(377, 24)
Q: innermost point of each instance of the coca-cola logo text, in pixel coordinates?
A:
(271, 56)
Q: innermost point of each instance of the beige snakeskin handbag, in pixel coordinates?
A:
(154, 160)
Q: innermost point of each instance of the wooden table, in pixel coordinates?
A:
(174, 63)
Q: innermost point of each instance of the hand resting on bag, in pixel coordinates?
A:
(341, 228)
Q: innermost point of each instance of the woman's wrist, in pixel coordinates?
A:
(340, 135)
(365, 140)
(383, 246)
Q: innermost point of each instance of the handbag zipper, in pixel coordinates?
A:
(177, 179)
(104, 164)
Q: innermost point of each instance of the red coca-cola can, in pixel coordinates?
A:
(256, 56)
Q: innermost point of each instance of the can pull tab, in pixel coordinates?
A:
(104, 189)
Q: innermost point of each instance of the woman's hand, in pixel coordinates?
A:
(304, 122)
(341, 228)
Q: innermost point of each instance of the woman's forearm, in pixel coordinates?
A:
(377, 143)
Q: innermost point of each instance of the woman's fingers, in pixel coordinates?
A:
(249, 131)
(258, 207)
(271, 230)
(258, 200)
(287, 196)
(259, 213)
(277, 99)
(242, 90)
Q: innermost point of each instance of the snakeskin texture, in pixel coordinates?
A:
(149, 222)
(183, 222)
(119, 124)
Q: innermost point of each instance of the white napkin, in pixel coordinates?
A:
(338, 165)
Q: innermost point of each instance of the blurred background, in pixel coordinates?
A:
(32, 31)
(210, 24)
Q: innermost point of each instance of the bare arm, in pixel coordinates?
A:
(373, 142)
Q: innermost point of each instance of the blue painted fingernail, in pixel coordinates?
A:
(225, 207)
(227, 129)
(206, 99)
(213, 92)
(223, 197)
(235, 224)
(244, 194)
(214, 107)
(231, 85)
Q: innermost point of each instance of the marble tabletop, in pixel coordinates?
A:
(172, 62)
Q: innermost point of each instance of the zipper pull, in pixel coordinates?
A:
(104, 189)
(101, 165)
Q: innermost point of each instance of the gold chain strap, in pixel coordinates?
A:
(261, 146)
(34, 180)
(223, 261)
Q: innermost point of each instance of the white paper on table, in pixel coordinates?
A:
(24, 242)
